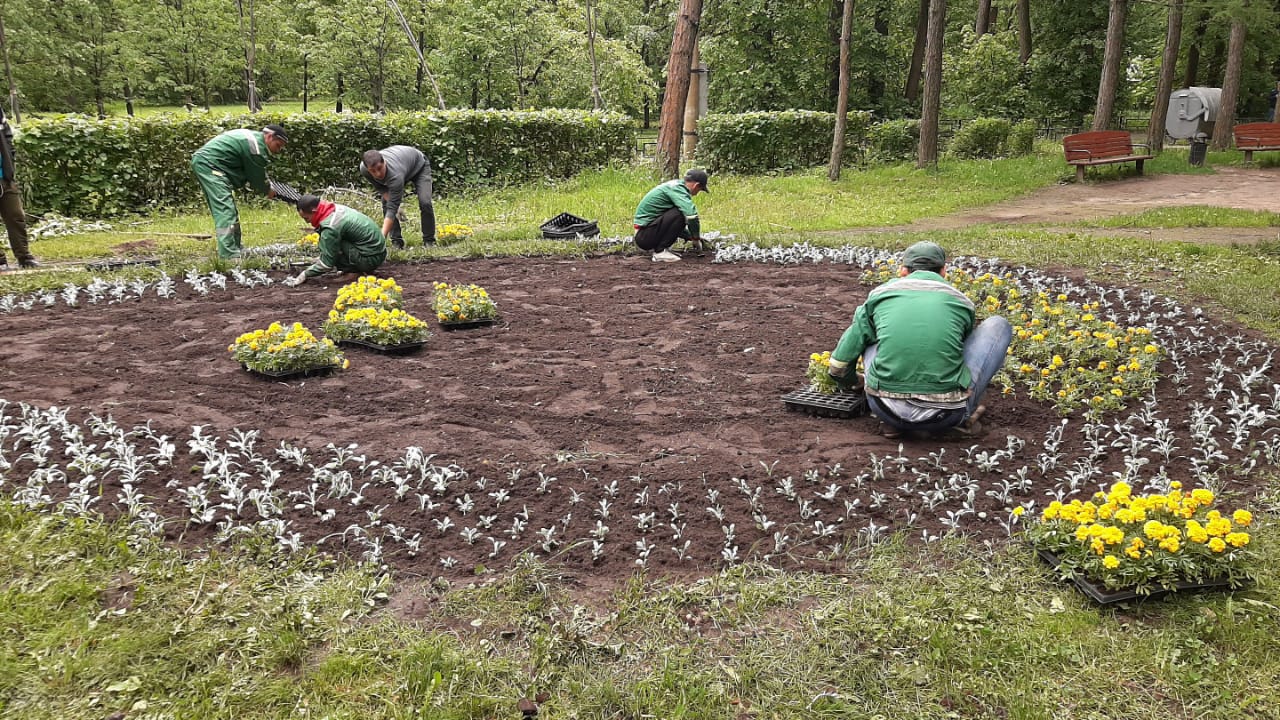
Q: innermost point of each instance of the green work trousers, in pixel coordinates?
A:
(15, 220)
(357, 262)
(222, 205)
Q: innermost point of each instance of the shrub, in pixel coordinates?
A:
(981, 138)
(770, 141)
(1022, 138)
(893, 140)
(93, 168)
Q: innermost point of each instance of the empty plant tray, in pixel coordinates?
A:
(466, 324)
(841, 404)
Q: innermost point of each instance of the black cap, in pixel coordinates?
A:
(699, 176)
(276, 130)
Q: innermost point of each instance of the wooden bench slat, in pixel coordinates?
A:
(1257, 137)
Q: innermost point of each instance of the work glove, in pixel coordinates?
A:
(297, 280)
(846, 377)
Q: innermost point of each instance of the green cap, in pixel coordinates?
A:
(924, 256)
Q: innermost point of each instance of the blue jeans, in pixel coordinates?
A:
(984, 354)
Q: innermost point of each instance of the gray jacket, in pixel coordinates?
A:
(404, 164)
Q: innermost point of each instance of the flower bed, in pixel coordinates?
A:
(280, 350)
(1146, 542)
(463, 304)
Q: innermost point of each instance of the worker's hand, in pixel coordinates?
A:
(386, 196)
(296, 281)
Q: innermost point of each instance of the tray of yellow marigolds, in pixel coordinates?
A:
(367, 313)
(459, 307)
(824, 397)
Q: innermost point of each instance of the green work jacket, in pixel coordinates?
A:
(919, 323)
(240, 155)
(670, 194)
(346, 232)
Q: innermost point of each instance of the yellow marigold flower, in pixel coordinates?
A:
(1150, 349)
(1111, 562)
(346, 363)
(1237, 539)
(1018, 511)
(1053, 512)
(1217, 545)
(1202, 496)
(1097, 546)
(1242, 517)
(1170, 544)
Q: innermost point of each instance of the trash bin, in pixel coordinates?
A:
(1192, 115)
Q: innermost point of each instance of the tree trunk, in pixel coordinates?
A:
(842, 98)
(875, 81)
(677, 89)
(692, 105)
(1024, 30)
(1111, 59)
(8, 73)
(1164, 84)
(128, 98)
(250, 41)
(912, 91)
(982, 24)
(1230, 87)
(597, 101)
(306, 81)
(417, 49)
(932, 106)
(1193, 51)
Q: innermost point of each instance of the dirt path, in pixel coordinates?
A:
(1249, 188)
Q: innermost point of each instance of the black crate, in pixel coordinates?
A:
(284, 192)
(842, 404)
(566, 226)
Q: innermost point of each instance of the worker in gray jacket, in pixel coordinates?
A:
(389, 170)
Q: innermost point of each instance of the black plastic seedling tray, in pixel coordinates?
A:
(1102, 595)
(292, 374)
(284, 192)
(841, 404)
(400, 349)
(467, 324)
(566, 226)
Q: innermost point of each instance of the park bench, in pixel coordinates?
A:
(1101, 147)
(1257, 137)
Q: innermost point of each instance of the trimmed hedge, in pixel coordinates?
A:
(88, 168)
(893, 140)
(980, 138)
(758, 142)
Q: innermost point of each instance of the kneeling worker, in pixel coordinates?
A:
(926, 364)
(667, 213)
(349, 240)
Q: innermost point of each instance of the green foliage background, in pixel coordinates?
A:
(94, 168)
(768, 141)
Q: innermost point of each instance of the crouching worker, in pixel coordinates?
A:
(349, 240)
(667, 213)
(926, 365)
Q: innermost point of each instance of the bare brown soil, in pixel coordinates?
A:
(641, 387)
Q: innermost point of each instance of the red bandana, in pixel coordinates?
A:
(323, 210)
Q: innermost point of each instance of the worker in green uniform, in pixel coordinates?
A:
(350, 241)
(667, 213)
(926, 366)
(230, 161)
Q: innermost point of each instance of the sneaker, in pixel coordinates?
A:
(665, 256)
(28, 263)
(397, 243)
